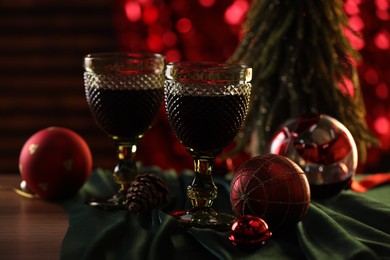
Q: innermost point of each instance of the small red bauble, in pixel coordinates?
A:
(249, 232)
(55, 162)
(273, 188)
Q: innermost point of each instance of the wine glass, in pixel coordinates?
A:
(206, 104)
(124, 92)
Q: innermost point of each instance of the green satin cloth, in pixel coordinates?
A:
(347, 226)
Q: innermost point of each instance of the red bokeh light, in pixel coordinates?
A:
(207, 3)
(133, 11)
(173, 55)
(235, 13)
(371, 76)
(356, 23)
(351, 7)
(169, 38)
(347, 87)
(184, 25)
(382, 4)
(381, 40)
(150, 15)
(356, 41)
(155, 43)
(382, 125)
(383, 14)
(382, 91)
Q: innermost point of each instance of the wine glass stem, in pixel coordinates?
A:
(126, 169)
(202, 191)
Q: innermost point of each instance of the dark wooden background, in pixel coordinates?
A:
(42, 44)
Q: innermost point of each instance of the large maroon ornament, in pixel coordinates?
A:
(273, 188)
(249, 232)
(323, 148)
(55, 162)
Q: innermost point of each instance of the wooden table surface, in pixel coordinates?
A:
(29, 228)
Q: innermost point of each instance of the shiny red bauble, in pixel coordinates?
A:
(55, 162)
(273, 188)
(249, 232)
(323, 147)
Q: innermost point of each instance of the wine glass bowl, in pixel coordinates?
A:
(206, 104)
(124, 92)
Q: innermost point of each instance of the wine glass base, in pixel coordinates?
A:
(204, 218)
(117, 202)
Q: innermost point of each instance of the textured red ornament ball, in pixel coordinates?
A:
(249, 232)
(273, 188)
(55, 162)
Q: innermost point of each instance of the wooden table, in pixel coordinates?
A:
(29, 228)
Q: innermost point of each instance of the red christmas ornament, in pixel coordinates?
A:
(249, 232)
(324, 149)
(55, 162)
(273, 188)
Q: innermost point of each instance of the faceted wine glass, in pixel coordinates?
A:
(124, 92)
(206, 104)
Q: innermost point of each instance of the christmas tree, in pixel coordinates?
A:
(302, 63)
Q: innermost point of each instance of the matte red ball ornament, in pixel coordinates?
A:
(273, 188)
(249, 232)
(55, 162)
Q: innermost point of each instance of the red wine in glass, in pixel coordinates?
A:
(124, 113)
(206, 124)
(206, 104)
(124, 92)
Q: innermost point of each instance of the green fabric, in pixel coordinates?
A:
(348, 226)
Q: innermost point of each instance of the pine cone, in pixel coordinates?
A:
(147, 192)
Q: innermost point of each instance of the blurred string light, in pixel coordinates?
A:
(352, 9)
(207, 3)
(146, 26)
(382, 9)
(382, 91)
(165, 25)
(381, 40)
(133, 11)
(235, 13)
(374, 46)
(184, 25)
(371, 76)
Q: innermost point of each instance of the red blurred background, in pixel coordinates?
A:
(42, 44)
(210, 30)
